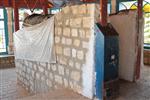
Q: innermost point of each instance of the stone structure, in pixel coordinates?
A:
(74, 46)
(146, 57)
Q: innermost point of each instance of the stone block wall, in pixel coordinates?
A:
(147, 57)
(74, 46)
(7, 62)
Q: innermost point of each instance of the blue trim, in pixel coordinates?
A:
(5, 30)
(12, 14)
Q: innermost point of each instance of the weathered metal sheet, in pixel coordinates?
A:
(99, 62)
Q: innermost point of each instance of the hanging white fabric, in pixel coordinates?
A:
(36, 43)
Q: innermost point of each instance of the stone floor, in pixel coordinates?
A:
(11, 90)
(139, 90)
(59, 94)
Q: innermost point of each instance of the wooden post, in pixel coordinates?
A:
(103, 12)
(140, 8)
(139, 42)
(16, 15)
(45, 11)
(113, 6)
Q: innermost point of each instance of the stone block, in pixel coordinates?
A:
(63, 60)
(76, 22)
(71, 63)
(58, 79)
(58, 16)
(35, 67)
(33, 73)
(67, 72)
(74, 9)
(77, 87)
(85, 44)
(88, 22)
(75, 75)
(80, 55)
(66, 32)
(30, 64)
(78, 65)
(41, 69)
(49, 66)
(54, 68)
(88, 34)
(26, 63)
(67, 22)
(67, 51)
(43, 78)
(68, 41)
(57, 39)
(43, 64)
(37, 75)
(58, 31)
(59, 49)
(61, 70)
(49, 83)
(82, 9)
(90, 9)
(59, 23)
(82, 33)
(63, 40)
(76, 42)
(51, 76)
(74, 53)
(28, 70)
(66, 10)
(74, 32)
(46, 72)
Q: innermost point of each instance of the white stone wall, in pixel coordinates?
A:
(74, 45)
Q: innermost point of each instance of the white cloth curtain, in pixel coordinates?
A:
(36, 43)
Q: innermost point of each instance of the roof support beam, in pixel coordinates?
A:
(45, 7)
(16, 15)
(113, 6)
(140, 8)
(103, 12)
(140, 46)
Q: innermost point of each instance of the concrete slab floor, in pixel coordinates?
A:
(136, 91)
(10, 90)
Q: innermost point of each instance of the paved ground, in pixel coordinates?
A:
(60, 94)
(10, 90)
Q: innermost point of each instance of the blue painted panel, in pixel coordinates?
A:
(111, 58)
(99, 62)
